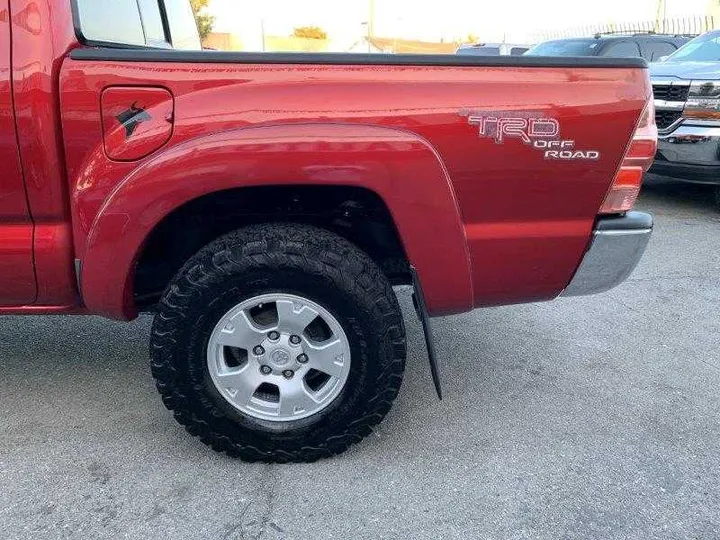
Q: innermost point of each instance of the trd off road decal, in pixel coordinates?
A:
(540, 132)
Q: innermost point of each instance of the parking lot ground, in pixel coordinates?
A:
(592, 417)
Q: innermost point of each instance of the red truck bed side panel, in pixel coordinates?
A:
(527, 219)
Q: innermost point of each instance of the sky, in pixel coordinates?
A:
(491, 20)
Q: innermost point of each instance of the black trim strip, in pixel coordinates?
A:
(223, 57)
(632, 221)
(424, 316)
(165, 21)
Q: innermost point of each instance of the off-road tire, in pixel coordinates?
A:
(295, 259)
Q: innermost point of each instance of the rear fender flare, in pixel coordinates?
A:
(401, 168)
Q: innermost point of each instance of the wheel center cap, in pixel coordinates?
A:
(280, 357)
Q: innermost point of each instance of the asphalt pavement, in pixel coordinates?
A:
(593, 417)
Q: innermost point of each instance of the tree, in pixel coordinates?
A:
(309, 32)
(204, 21)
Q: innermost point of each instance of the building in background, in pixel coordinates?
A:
(223, 41)
(296, 44)
(401, 46)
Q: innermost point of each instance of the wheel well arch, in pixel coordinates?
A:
(402, 169)
(356, 213)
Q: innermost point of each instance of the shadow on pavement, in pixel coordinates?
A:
(669, 194)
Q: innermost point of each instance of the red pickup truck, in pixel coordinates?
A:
(263, 205)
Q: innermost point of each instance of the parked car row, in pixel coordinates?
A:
(652, 47)
(493, 49)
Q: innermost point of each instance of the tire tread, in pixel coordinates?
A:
(274, 246)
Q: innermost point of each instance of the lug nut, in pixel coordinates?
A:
(302, 358)
(274, 336)
(265, 370)
(295, 340)
(288, 373)
(258, 350)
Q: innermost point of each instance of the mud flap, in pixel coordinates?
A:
(422, 313)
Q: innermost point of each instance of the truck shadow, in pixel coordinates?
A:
(99, 371)
(506, 365)
(73, 342)
(670, 196)
(88, 364)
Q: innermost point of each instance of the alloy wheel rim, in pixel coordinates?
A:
(278, 357)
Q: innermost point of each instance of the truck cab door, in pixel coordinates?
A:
(17, 276)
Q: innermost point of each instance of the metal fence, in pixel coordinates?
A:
(687, 26)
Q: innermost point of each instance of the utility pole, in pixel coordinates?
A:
(262, 33)
(371, 19)
(660, 15)
(369, 25)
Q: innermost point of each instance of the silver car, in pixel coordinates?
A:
(686, 86)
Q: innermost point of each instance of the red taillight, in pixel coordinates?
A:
(637, 160)
(624, 191)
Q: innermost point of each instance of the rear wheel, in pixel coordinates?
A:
(717, 197)
(279, 343)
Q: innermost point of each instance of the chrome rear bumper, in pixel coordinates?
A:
(618, 244)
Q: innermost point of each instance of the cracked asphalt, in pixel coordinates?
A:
(592, 417)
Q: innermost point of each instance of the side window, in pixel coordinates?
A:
(183, 29)
(622, 49)
(122, 22)
(119, 24)
(655, 49)
(518, 51)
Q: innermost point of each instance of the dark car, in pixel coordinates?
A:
(649, 46)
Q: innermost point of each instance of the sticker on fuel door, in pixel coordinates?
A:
(540, 132)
